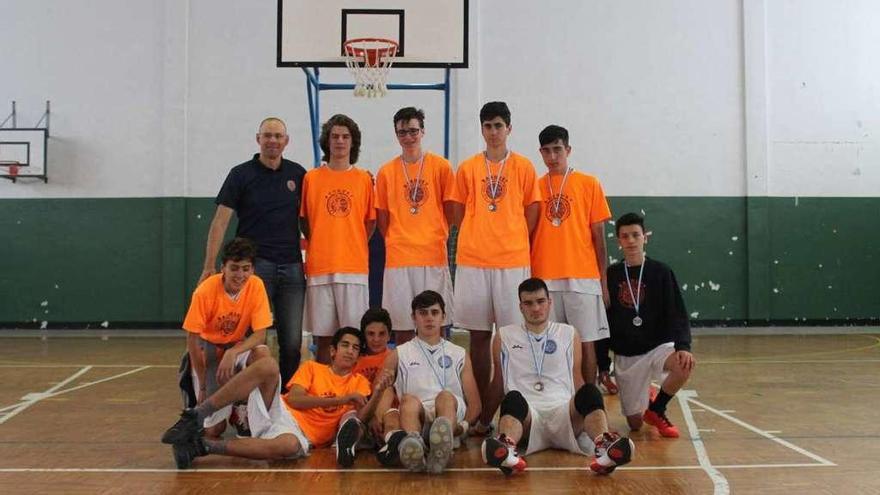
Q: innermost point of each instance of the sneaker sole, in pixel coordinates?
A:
(441, 441)
(346, 442)
(412, 454)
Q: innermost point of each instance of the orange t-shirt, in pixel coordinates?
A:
(500, 238)
(336, 205)
(415, 239)
(370, 364)
(567, 251)
(320, 423)
(218, 319)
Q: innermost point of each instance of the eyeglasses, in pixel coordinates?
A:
(414, 131)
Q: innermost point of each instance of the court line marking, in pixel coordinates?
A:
(764, 433)
(33, 398)
(875, 345)
(72, 389)
(719, 482)
(383, 470)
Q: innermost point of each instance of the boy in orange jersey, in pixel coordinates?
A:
(413, 211)
(568, 248)
(274, 433)
(337, 218)
(225, 308)
(498, 193)
(331, 400)
(376, 328)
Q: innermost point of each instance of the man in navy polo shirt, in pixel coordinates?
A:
(264, 192)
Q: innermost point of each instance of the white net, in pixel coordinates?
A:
(369, 61)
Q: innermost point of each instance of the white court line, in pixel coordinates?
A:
(721, 486)
(37, 397)
(383, 470)
(763, 433)
(78, 387)
(795, 361)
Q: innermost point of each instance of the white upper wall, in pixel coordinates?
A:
(824, 90)
(161, 98)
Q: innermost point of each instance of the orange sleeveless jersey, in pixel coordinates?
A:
(320, 423)
(370, 364)
(218, 319)
(498, 239)
(415, 239)
(336, 205)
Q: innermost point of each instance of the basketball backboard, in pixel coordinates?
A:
(430, 33)
(26, 148)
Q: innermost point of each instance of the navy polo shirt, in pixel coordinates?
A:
(267, 203)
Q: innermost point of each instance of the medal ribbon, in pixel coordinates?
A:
(494, 181)
(415, 191)
(638, 293)
(441, 382)
(539, 368)
(561, 188)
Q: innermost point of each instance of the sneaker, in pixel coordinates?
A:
(238, 419)
(441, 443)
(661, 422)
(501, 453)
(185, 452)
(389, 454)
(479, 430)
(346, 442)
(612, 450)
(412, 452)
(186, 428)
(608, 383)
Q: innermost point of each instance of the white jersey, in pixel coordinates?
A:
(523, 354)
(424, 370)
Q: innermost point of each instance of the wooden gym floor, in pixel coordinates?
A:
(762, 414)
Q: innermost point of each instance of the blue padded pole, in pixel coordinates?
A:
(310, 84)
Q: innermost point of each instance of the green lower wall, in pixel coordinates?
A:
(135, 261)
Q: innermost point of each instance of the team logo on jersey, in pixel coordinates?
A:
(624, 296)
(339, 203)
(414, 363)
(495, 190)
(516, 346)
(564, 207)
(550, 346)
(444, 361)
(415, 192)
(228, 323)
(291, 185)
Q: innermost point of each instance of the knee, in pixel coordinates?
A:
(289, 447)
(267, 367)
(588, 399)
(409, 403)
(515, 405)
(260, 352)
(445, 398)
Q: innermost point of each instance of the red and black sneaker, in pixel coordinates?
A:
(661, 422)
(501, 453)
(612, 450)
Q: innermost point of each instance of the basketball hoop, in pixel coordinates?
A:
(369, 61)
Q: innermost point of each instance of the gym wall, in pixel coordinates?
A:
(744, 130)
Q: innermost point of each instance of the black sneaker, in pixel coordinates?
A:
(185, 452)
(389, 454)
(186, 428)
(346, 442)
(501, 453)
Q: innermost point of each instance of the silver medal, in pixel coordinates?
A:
(492, 207)
(413, 210)
(637, 321)
(556, 221)
(539, 386)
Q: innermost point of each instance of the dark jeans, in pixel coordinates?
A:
(286, 288)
